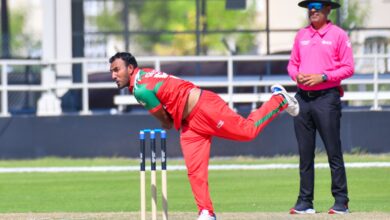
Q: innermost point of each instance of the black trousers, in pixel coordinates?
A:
(320, 110)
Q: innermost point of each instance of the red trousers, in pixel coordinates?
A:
(212, 117)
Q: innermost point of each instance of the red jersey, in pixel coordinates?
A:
(155, 89)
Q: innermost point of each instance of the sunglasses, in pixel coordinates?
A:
(316, 5)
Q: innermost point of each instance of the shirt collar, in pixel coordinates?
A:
(321, 31)
(132, 79)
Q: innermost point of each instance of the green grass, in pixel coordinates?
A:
(232, 191)
(71, 162)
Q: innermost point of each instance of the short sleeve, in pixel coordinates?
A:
(147, 98)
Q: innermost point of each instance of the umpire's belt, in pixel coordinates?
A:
(316, 93)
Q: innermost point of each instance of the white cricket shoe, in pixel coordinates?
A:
(293, 105)
(206, 215)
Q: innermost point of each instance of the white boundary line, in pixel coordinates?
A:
(181, 167)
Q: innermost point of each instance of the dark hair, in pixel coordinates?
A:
(127, 57)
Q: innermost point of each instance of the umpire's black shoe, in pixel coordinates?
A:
(339, 208)
(303, 207)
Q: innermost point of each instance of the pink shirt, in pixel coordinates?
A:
(327, 50)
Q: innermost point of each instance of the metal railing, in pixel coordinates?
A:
(229, 81)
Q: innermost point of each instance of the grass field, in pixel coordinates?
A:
(69, 162)
(232, 191)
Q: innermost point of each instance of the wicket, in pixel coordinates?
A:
(153, 172)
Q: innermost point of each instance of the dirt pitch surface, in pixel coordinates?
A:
(192, 216)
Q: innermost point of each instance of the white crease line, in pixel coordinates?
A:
(181, 167)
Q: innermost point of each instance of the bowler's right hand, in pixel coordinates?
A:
(167, 125)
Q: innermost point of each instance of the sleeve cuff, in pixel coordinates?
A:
(155, 109)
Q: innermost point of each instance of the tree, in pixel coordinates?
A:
(12, 29)
(21, 44)
(181, 16)
(352, 14)
(168, 27)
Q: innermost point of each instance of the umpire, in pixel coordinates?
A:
(320, 59)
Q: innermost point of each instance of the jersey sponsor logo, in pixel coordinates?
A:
(220, 123)
(305, 42)
(326, 42)
(156, 74)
